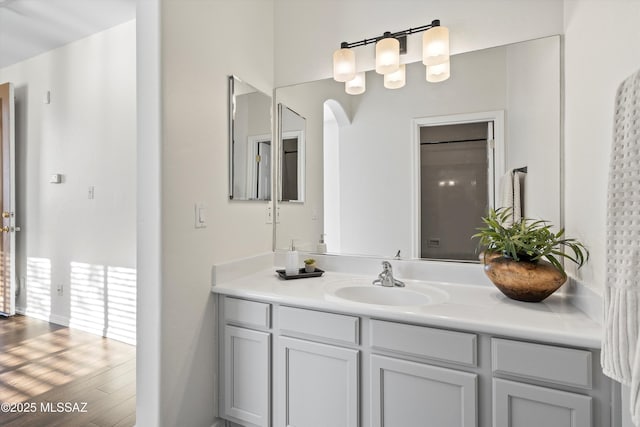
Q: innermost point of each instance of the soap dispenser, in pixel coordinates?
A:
(291, 266)
(322, 246)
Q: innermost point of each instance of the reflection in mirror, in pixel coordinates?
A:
(249, 142)
(292, 155)
(366, 195)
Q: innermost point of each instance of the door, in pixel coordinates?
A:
(455, 167)
(318, 385)
(415, 394)
(246, 376)
(523, 405)
(7, 196)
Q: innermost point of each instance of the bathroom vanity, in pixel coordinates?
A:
(306, 353)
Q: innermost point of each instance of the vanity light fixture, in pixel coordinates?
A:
(357, 85)
(397, 79)
(435, 55)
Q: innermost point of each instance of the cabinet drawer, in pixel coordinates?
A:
(420, 341)
(559, 365)
(250, 313)
(337, 327)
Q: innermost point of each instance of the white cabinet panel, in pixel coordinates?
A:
(250, 313)
(421, 341)
(414, 394)
(559, 365)
(246, 376)
(523, 405)
(319, 385)
(332, 326)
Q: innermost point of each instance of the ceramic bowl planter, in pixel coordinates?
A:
(530, 281)
(513, 258)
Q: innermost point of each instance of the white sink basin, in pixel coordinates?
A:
(364, 292)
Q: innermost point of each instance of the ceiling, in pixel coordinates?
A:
(31, 27)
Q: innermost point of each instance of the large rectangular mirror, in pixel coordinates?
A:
(249, 142)
(363, 184)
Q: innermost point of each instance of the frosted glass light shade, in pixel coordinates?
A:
(397, 79)
(435, 46)
(438, 73)
(344, 65)
(387, 55)
(357, 85)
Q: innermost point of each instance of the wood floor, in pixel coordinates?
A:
(54, 376)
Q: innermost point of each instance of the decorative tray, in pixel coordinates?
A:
(302, 274)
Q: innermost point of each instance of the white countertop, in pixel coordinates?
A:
(477, 308)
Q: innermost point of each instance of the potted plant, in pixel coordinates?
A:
(523, 259)
(309, 265)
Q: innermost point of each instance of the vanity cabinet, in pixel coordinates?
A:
(287, 366)
(317, 375)
(548, 368)
(318, 384)
(403, 392)
(522, 405)
(246, 362)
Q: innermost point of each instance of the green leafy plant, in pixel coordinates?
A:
(529, 240)
(309, 261)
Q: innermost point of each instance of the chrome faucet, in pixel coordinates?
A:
(386, 277)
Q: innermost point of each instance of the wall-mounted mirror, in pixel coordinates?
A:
(363, 184)
(291, 149)
(249, 142)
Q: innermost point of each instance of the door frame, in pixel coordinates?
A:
(7, 98)
(497, 117)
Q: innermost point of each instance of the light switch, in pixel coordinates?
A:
(56, 178)
(200, 216)
(91, 193)
(268, 215)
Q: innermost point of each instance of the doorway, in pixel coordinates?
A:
(456, 161)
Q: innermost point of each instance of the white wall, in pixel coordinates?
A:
(594, 28)
(85, 247)
(307, 32)
(590, 87)
(202, 42)
(533, 124)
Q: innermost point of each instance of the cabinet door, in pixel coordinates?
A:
(246, 375)
(318, 385)
(523, 405)
(414, 394)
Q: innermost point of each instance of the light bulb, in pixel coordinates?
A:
(397, 79)
(344, 65)
(357, 85)
(387, 55)
(435, 46)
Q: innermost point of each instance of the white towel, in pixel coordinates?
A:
(511, 192)
(620, 356)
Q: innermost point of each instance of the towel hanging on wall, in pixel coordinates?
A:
(512, 194)
(620, 355)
